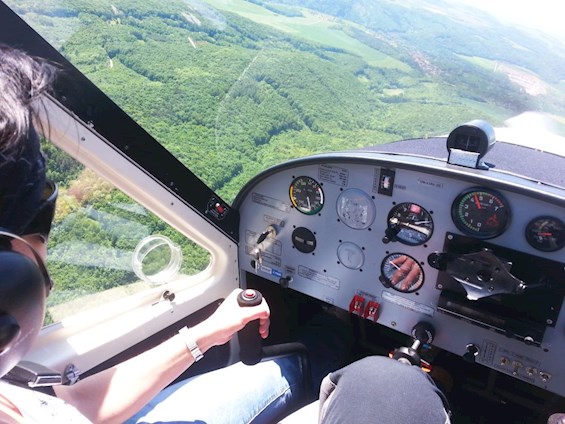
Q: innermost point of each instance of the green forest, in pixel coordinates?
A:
(233, 87)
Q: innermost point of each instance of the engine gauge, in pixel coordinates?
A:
(546, 233)
(481, 212)
(306, 195)
(410, 224)
(402, 273)
(356, 209)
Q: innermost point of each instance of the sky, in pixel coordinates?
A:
(547, 15)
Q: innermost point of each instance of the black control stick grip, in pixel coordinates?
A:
(250, 343)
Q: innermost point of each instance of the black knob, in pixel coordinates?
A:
(424, 332)
(251, 345)
(285, 281)
(471, 353)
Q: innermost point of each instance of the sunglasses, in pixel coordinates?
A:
(43, 219)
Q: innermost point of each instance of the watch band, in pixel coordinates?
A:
(191, 344)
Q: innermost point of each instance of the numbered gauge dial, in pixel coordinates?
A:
(546, 233)
(410, 224)
(356, 209)
(402, 273)
(481, 212)
(306, 195)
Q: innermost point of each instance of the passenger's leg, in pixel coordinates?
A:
(261, 393)
(377, 389)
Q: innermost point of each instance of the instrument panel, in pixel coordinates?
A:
(398, 240)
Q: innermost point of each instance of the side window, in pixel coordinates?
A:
(104, 246)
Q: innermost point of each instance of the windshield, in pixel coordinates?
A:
(231, 87)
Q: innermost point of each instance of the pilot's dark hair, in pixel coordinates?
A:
(23, 79)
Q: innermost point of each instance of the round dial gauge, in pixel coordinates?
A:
(306, 195)
(546, 233)
(356, 209)
(350, 255)
(481, 212)
(402, 273)
(410, 224)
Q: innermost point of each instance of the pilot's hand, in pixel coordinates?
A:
(229, 318)
(406, 274)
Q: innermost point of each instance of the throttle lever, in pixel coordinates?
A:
(250, 343)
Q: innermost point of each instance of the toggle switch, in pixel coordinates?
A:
(356, 306)
(372, 311)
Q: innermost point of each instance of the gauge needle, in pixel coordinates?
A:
(396, 221)
(477, 201)
(393, 264)
(309, 204)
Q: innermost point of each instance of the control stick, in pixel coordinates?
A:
(250, 343)
(422, 333)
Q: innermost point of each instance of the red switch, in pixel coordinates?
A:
(372, 311)
(357, 304)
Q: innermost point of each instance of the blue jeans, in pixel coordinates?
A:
(261, 393)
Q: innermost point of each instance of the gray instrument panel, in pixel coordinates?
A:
(324, 227)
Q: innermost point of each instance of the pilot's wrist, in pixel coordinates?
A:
(191, 343)
(198, 339)
(201, 334)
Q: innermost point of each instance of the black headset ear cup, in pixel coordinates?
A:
(22, 306)
(9, 330)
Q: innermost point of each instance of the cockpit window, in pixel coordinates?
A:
(232, 87)
(104, 246)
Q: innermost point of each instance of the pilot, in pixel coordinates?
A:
(137, 390)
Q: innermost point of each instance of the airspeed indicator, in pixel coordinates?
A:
(306, 195)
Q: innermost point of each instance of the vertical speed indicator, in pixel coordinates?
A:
(306, 195)
(481, 212)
